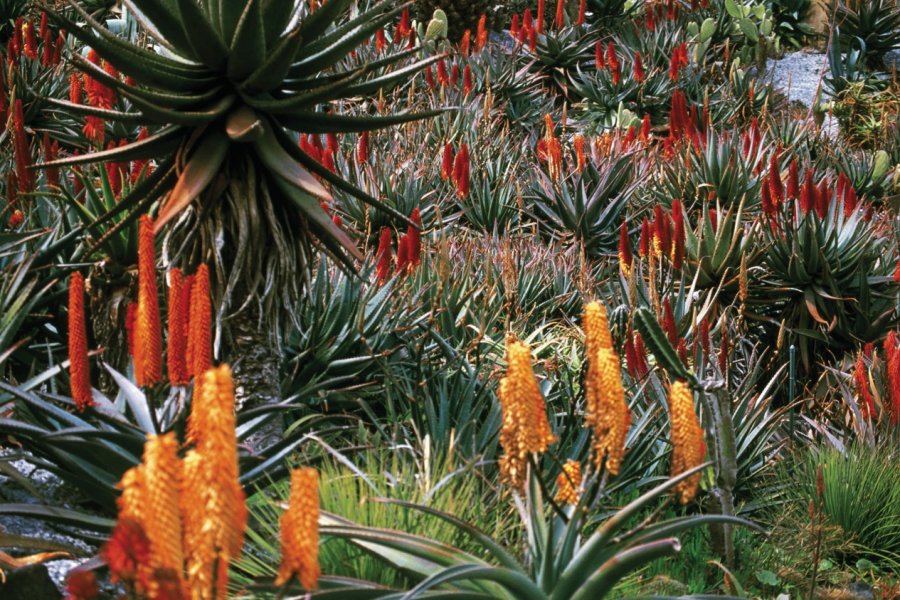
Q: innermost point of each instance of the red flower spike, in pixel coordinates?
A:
(447, 162)
(147, 326)
(638, 68)
(199, 343)
(405, 26)
(850, 200)
(640, 352)
(630, 136)
(866, 403)
(527, 20)
(362, 148)
(793, 187)
(704, 336)
(580, 159)
(646, 131)
(16, 218)
(328, 160)
(454, 75)
(631, 359)
(598, 56)
(807, 193)
(465, 43)
(461, 171)
(23, 158)
(766, 197)
(645, 239)
(467, 80)
(177, 326)
(384, 256)
(514, 27)
(582, 9)
(613, 61)
(380, 40)
(668, 323)
(47, 49)
(823, 199)
(414, 235)
(776, 188)
(683, 352)
(79, 367)
(481, 34)
(402, 253)
(560, 19)
(539, 28)
(30, 50)
(429, 78)
(724, 351)
(442, 76)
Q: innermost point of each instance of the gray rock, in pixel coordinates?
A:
(798, 76)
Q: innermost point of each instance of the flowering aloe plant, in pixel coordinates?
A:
(561, 563)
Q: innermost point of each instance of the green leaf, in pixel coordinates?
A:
(274, 68)
(280, 163)
(659, 345)
(158, 17)
(248, 48)
(733, 10)
(199, 171)
(201, 36)
(749, 29)
(767, 578)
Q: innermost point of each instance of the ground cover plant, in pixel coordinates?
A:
(457, 299)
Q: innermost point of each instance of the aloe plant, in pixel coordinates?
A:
(225, 86)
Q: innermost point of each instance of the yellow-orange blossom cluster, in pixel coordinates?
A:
(688, 447)
(525, 429)
(607, 412)
(193, 510)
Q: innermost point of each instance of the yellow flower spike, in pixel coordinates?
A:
(688, 446)
(525, 429)
(199, 547)
(569, 483)
(214, 506)
(162, 522)
(613, 417)
(300, 531)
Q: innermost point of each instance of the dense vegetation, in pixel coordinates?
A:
(449, 299)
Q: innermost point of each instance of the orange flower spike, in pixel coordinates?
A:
(688, 447)
(148, 328)
(481, 35)
(569, 483)
(612, 417)
(177, 329)
(539, 25)
(126, 549)
(81, 584)
(79, 368)
(525, 429)
(580, 159)
(300, 531)
(163, 521)
(199, 342)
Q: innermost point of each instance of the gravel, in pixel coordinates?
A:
(53, 489)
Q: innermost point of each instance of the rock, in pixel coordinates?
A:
(798, 76)
(29, 583)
